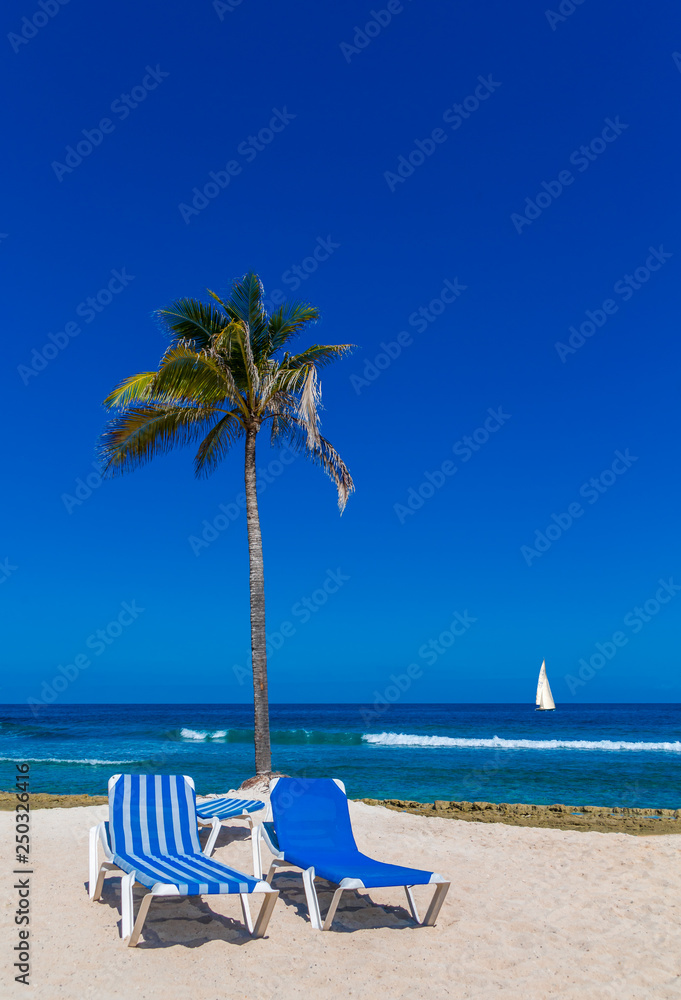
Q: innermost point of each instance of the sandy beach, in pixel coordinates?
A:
(532, 913)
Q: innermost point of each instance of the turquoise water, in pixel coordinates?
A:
(613, 755)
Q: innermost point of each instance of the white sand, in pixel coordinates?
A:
(531, 914)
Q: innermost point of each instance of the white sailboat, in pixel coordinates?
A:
(544, 700)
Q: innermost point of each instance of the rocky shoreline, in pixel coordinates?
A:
(599, 819)
(44, 800)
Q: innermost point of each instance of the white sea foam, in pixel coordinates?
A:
(407, 740)
(198, 734)
(67, 760)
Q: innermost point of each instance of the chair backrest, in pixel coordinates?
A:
(152, 814)
(311, 815)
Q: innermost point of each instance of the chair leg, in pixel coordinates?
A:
(246, 910)
(312, 900)
(412, 903)
(92, 861)
(255, 850)
(212, 837)
(127, 883)
(141, 917)
(436, 904)
(331, 912)
(96, 888)
(265, 914)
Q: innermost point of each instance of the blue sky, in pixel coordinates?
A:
(455, 187)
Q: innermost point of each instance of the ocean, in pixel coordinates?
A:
(609, 755)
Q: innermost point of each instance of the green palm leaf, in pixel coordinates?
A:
(140, 433)
(187, 376)
(134, 388)
(288, 321)
(217, 443)
(191, 321)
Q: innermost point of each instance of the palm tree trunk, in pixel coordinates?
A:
(263, 755)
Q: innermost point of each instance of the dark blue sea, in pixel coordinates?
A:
(611, 755)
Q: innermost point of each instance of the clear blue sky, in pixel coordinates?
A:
(316, 122)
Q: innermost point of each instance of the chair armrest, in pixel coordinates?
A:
(269, 835)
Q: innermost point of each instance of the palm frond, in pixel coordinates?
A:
(139, 433)
(192, 321)
(187, 376)
(135, 387)
(308, 404)
(243, 342)
(294, 432)
(223, 341)
(246, 303)
(319, 355)
(288, 321)
(217, 443)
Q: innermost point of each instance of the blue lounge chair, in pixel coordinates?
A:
(152, 836)
(311, 830)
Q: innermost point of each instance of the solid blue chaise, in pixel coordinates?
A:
(311, 830)
(152, 836)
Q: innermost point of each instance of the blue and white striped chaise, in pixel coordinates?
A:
(214, 812)
(152, 836)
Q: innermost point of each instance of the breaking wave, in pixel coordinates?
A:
(497, 743)
(65, 760)
(279, 737)
(199, 734)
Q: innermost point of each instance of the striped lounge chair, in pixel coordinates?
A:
(311, 830)
(215, 812)
(152, 836)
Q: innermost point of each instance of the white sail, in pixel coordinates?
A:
(544, 700)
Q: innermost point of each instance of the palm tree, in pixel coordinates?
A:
(226, 376)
